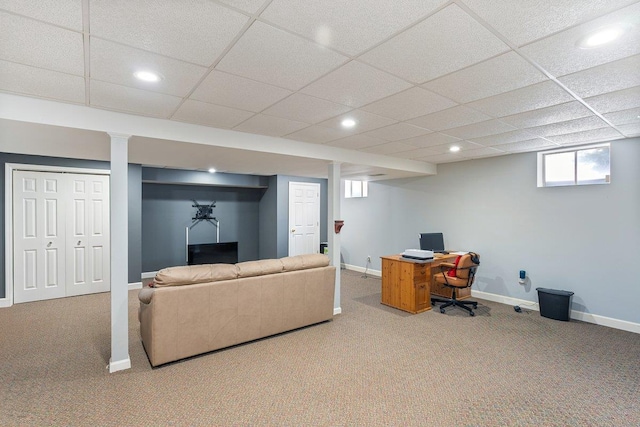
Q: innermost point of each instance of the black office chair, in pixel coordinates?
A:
(465, 273)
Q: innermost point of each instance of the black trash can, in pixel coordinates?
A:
(554, 304)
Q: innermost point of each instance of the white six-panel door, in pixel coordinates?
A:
(38, 236)
(60, 235)
(304, 218)
(87, 246)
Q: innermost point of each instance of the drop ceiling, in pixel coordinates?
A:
(493, 77)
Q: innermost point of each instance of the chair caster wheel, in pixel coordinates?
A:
(475, 306)
(472, 314)
(442, 310)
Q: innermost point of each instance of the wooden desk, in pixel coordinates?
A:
(408, 284)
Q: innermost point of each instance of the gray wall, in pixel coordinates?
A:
(134, 205)
(573, 238)
(167, 211)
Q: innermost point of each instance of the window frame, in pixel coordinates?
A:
(363, 187)
(541, 182)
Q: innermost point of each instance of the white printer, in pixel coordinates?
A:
(418, 254)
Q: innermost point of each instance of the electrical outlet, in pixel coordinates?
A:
(368, 258)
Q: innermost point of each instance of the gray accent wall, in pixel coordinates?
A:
(579, 238)
(134, 205)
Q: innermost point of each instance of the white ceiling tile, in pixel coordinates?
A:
(436, 47)
(22, 79)
(250, 6)
(348, 26)
(451, 118)
(624, 117)
(616, 101)
(131, 100)
(197, 31)
(355, 84)
(463, 145)
(115, 63)
(409, 104)
(210, 115)
(442, 158)
(530, 145)
(605, 78)
(594, 135)
(492, 77)
(478, 153)
(525, 21)
(306, 108)
(416, 153)
(389, 148)
(528, 98)
(357, 142)
(316, 134)
(65, 13)
(560, 55)
(398, 131)
(430, 140)
(273, 56)
(41, 45)
(505, 138)
(364, 122)
(478, 130)
(570, 126)
(269, 125)
(630, 129)
(544, 116)
(238, 92)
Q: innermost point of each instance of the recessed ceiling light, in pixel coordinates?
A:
(454, 148)
(147, 76)
(212, 170)
(601, 36)
(348, 123)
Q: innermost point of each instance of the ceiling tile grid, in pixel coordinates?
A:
(490, 76)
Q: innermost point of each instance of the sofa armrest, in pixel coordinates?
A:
(145, 295)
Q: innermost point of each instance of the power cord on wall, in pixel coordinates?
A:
(366, 268)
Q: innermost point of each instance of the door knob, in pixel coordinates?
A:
(293, 230)
(78, 242)
(49, 244)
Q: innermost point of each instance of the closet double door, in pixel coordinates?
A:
(60, 235)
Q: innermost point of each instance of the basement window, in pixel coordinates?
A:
(355, 189)
(586, 165)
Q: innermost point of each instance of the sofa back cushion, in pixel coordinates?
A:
(190, 274)
(303, 262)
(259, 268)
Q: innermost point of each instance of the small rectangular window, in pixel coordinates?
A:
(355, 188)
(578, 166)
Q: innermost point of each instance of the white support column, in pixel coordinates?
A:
(333, 238)
(119, 254)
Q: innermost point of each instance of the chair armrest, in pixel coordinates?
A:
(447, 265)
(145, 295)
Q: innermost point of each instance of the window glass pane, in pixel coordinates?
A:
(347, 188)
(559, 169)
(593, 166)
(365, 189)
(356, 188)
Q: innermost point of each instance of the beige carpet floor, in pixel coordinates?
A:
(371, 366)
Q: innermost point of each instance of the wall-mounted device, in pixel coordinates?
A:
(523, 276)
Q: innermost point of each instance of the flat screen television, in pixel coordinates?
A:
(212, 253)
(432, 242)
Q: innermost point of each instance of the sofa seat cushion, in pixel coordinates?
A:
(191, 274)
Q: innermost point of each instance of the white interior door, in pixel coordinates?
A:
(87, 246)
(304, 218)
(60, 235)
(38, 236)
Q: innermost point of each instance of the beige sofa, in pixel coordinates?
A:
(196, 309)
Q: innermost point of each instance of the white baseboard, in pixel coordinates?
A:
(576, 315)
(370, 272)
(337, 310)
(119, 365)
(5, 302)
(136, 285)
(148, 275)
